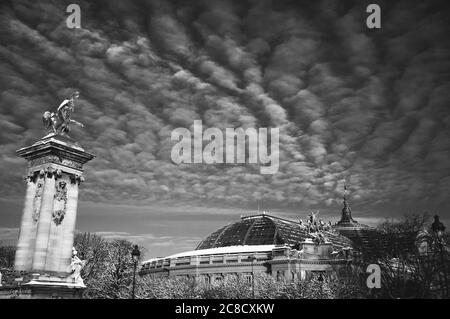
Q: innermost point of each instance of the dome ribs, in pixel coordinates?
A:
(221, 234)
(263, 232)
(248, 232)
(265, 229)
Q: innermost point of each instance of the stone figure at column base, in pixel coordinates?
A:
(75, 267)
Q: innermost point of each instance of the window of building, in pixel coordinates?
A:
(232, 261)
(180, 264)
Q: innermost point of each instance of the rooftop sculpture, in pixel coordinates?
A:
(316, 227)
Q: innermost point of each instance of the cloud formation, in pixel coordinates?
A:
(369, 106)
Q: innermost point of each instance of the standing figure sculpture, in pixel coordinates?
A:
(316, 228)
(59, 122)
(75, 267)
(312, 222)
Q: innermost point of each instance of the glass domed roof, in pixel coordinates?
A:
(265, 230)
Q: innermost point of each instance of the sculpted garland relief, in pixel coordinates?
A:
(60, 202)
(60, 196)
(38, 200)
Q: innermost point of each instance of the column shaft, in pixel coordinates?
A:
(43, 227)
(26, 236)
(69, 226)
(57, 230)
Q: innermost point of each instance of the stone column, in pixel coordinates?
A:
(48, 221)
(45, 218)
(54, 248)
(69, 223)
(57, 231)
(24, 250)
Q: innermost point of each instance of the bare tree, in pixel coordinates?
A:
(7, 254)
(109, 269)
(405, 272)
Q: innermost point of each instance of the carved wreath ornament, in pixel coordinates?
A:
(37, 201)
(60, 204)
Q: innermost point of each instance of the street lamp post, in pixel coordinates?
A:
(438, 228)
(135, 254)
(253, 258)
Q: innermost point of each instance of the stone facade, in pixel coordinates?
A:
(257, 244)
(281, 262)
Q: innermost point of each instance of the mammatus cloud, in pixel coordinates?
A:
(369, 106)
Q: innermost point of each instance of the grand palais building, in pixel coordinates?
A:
(282, 248)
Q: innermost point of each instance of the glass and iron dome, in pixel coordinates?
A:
(263, 229)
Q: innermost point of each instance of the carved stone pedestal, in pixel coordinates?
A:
(55, 167)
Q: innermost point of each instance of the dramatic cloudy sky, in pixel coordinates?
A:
(369, 106)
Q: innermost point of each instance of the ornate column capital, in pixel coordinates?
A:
(50, 172)
(76, 179)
